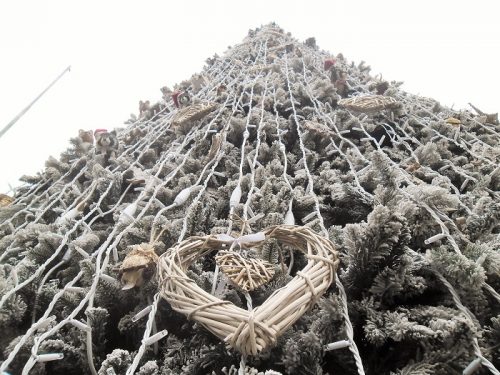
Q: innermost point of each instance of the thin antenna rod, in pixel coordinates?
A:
(15, 119)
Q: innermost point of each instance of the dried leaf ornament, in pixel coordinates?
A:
(138, 265)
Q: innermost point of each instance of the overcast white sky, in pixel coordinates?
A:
(124, 51)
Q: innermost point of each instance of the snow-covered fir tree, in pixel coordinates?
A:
(275, 131)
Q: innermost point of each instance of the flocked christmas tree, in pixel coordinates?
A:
(274, 132)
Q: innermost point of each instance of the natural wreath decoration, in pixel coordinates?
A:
(249, 332)
(369, 103)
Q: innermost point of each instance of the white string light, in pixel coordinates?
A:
(37, 203)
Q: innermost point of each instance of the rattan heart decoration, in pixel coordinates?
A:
(249, 332)
(247, 273)
(192, 113)
(5, 200)
(369, 103)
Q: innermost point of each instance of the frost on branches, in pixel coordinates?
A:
(275, 131)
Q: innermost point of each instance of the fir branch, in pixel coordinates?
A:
(371, 246)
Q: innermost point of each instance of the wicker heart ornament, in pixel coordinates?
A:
(247, 273)
(5, 200)
(249, 332)
(194, 112)
(369, 103)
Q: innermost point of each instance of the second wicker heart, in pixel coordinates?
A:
(247, 273)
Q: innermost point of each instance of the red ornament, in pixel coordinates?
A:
(329, 63)
(175, 96)
(100, 131)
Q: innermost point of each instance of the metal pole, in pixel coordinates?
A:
(14, 120)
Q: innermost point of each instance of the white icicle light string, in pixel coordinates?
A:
(353, 348)
(159, 129)
(49, 357)
(156, 337)
(90, 294)
(156, 130)
(145, 311)
(433, 214)
(450, 238)
(337, 345)
(235, 198)
(152, 313)
(289, 216)
(236, 194)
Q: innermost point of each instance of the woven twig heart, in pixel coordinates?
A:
(5, 200)
(249, 332)
(369, 103)
(247, 273)
(192, 113)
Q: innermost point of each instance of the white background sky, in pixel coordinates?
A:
(124, 51)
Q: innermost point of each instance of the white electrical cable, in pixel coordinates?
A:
(349, 331)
